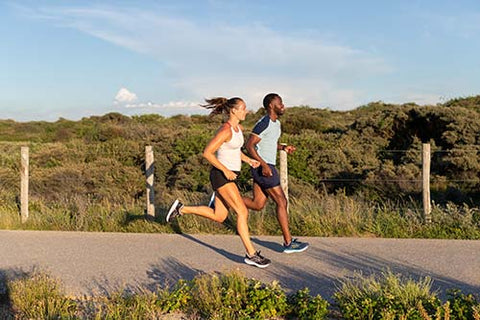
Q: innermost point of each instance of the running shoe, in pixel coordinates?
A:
(211, 203)
(295, 246)
(174, 210)
(257, 260)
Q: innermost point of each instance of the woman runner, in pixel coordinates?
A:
(225, 155)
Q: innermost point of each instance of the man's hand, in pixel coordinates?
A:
(266, 171)
(289, 149)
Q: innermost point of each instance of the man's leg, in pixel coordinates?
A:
(259, 199)
(290, 245)
(276, 193)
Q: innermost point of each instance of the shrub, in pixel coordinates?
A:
(385, 297)
(40, 297)
(233, 296)
(463, 306)
(304, 306)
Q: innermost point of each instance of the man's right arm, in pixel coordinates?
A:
(252, 142)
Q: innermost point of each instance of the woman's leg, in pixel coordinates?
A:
(230, 194)
(219, 214)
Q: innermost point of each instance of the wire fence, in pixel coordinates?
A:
(10, 165)
(94, 167)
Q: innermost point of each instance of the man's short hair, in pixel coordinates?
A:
(269, 98)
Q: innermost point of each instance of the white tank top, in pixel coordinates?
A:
(229, 153)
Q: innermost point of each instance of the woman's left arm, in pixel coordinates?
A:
(252, 162)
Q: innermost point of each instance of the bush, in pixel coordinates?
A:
(386, 297)
(463, 306)
(40, 297)
(233, 296)
(304, 306)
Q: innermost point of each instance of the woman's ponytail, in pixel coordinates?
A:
(221, 105)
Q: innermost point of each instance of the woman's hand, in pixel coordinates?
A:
(230, 175)
(254, 163)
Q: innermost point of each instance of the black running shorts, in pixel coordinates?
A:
(218, 179)
(266, 182)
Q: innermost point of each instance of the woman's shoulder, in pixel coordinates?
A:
(224, 130)
(225, 127)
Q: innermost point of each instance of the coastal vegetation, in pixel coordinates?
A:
(233, 296)
(355, 173)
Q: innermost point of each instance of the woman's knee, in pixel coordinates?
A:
(220, 217)
(242, 212)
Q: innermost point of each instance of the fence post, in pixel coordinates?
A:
(284, 172)
(149, 170)
(24, 183)
(427, 208)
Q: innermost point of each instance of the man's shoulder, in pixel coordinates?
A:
(261, 125)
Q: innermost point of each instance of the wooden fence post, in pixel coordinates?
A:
(284, 172)
(149, 171)
(427, 207)
(24, 183)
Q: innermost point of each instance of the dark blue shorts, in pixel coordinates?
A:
(266, 182)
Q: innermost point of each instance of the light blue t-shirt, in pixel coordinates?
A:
(269, 132)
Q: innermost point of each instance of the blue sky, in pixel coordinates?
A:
(73, 59)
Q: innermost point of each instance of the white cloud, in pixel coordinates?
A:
(129, 100)
(206, 59)
(171, 104)
(125, 96)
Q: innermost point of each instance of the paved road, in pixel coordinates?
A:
(89, 263)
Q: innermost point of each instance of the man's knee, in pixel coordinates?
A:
(281, 201)
(257, 206)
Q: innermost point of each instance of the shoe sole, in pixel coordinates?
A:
(256, 264)
(295, 250)
(172, 209)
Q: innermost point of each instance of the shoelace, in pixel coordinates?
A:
(258, 254)
(294, 240)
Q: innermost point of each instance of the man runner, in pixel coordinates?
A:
(263, 145)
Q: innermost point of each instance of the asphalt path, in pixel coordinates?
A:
(96, 263)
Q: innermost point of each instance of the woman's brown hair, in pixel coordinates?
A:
(221, 105)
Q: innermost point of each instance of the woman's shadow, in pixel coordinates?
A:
(161, 212)
(226, 254)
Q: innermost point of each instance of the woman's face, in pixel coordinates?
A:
(240, 111)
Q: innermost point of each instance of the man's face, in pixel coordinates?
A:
(277, 106)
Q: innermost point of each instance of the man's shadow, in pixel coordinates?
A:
(274, 246)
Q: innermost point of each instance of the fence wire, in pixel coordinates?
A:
(10, 167)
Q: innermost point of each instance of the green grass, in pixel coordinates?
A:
(311, 214)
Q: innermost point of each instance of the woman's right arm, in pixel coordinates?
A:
(223, 134)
